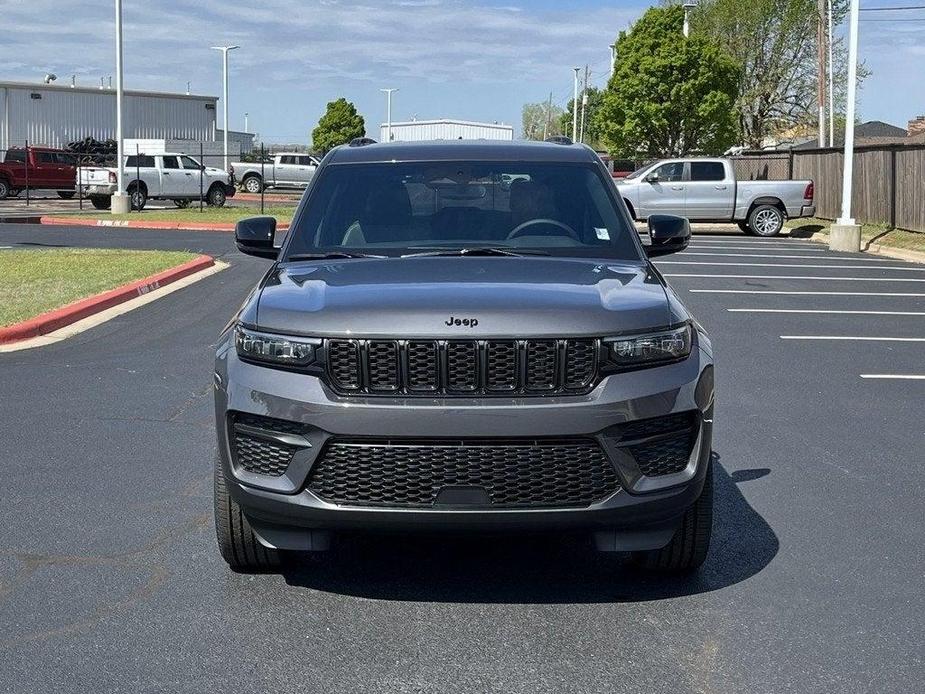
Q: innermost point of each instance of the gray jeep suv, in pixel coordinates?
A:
(463, 336)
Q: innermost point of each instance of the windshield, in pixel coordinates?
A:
(638, 172)
(562, 209)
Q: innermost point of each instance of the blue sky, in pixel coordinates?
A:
(474, 60)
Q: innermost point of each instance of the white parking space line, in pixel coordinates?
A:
(773, 291)
(827, 267)
(826, 311)
(823, 278)
(794, 257)
(853, 338)
(897, 377)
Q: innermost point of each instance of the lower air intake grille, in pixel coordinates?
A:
(261, 454)
(512, 474)
(663, 457)
(661, 445)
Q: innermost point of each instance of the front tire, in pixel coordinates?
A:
(5, 189)
(252, 184)
(138, 197)
(766, 220)
(216, 196)
(688, 548)
(237, 543)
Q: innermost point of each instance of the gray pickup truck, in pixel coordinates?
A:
(706, 190)
(285, 170)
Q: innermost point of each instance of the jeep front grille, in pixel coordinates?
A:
(518, 473)
(461, 367)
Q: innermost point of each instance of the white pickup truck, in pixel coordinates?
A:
(175, 177)
(286, 170)
(706, 190)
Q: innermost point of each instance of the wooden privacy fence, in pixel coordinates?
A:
(888, 188)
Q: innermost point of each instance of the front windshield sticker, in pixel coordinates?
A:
(602, 234)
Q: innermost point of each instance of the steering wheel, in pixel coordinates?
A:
(516, 231)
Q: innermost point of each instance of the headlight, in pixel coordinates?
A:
(665, 345)
(274, 349)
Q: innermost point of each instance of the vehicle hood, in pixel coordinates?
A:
(491, 297)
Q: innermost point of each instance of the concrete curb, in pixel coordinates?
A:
(270, 197)
(82, 308)
(131, 224)
(874, 249)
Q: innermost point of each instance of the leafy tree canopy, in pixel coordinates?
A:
(339, 124)
(539, 119)
(668, 95)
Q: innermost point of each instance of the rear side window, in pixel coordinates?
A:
(46, 157)
(707, 171)
(141, 160)
(287, 160)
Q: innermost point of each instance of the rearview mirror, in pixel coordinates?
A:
(255, 236)
(668, 234)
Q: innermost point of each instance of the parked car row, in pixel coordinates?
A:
(171, 176)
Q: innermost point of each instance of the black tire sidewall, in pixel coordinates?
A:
(255, 181)
(216, 197)
(761, 208)
(5, 190)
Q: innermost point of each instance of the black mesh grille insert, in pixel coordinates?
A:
(663, 456)
(261, 454)
(462, 367)
(517, 473)
(661, 445)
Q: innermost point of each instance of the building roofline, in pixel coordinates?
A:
(97, 90)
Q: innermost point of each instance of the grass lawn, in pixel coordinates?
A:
(35, 281)
(870, 233)
(283, 214)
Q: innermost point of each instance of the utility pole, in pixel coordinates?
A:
(388, 127)
(688, 6)
(548, 116)
(845, 235)
(820, 61)
(224, 50)
(120, 202)
(584, 105)
(831, 83)
(575, 106)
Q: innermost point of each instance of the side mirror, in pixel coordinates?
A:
(652, 178)
(668, 234)
(255, 235)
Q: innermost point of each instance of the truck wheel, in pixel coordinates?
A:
(5, 189)
(252, 184)
(138, 197)
(688, 548)
(100, 202)
(766, 220)
(216, 196)
(237, 543)
(182, 203)
(66, 194)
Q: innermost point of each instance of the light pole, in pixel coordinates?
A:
(575, 107)
(831, 84)
(388, 112)
(120, 201)
(224, 50)
(613, 57)
(688, 6)
(844, 234)
(245, 122)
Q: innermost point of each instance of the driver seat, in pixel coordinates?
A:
(531, 200)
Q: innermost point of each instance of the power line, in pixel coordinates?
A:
(892, 9)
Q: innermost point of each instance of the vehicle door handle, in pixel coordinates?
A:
(166, 173)
(189, 174)
(677, 187)
(720, 187)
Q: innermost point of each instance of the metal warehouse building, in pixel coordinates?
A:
(446, 129)
(54, 115)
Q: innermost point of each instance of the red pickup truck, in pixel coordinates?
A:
(38, 168)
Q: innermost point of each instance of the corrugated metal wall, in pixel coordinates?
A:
(446, 130)
(64, 115)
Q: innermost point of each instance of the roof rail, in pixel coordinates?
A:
(560, 140)
(362, 141)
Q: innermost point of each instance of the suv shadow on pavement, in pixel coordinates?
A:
(536, 570)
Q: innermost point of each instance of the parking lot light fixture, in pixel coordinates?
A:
(224, 50)
(388, 115)
(120, 201)
(845, 234)
(688, 6)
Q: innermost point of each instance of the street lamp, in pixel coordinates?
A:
(388, 126)
(844, 234)
(120, 202)
(688, 6)
(575, 107)
(613, 57)
(224, 50)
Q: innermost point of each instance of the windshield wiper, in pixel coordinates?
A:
(333, 255)
(484, 251)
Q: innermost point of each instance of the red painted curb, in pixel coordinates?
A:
(80, 309)
(272, 197)
(131, 224)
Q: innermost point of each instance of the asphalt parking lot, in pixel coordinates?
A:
(110, 580)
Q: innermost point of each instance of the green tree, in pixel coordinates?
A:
(668, 95)
(540, 119)
(592, 129)
(775, 44)
(339, 124)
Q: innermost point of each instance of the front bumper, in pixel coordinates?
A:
(643, 513)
